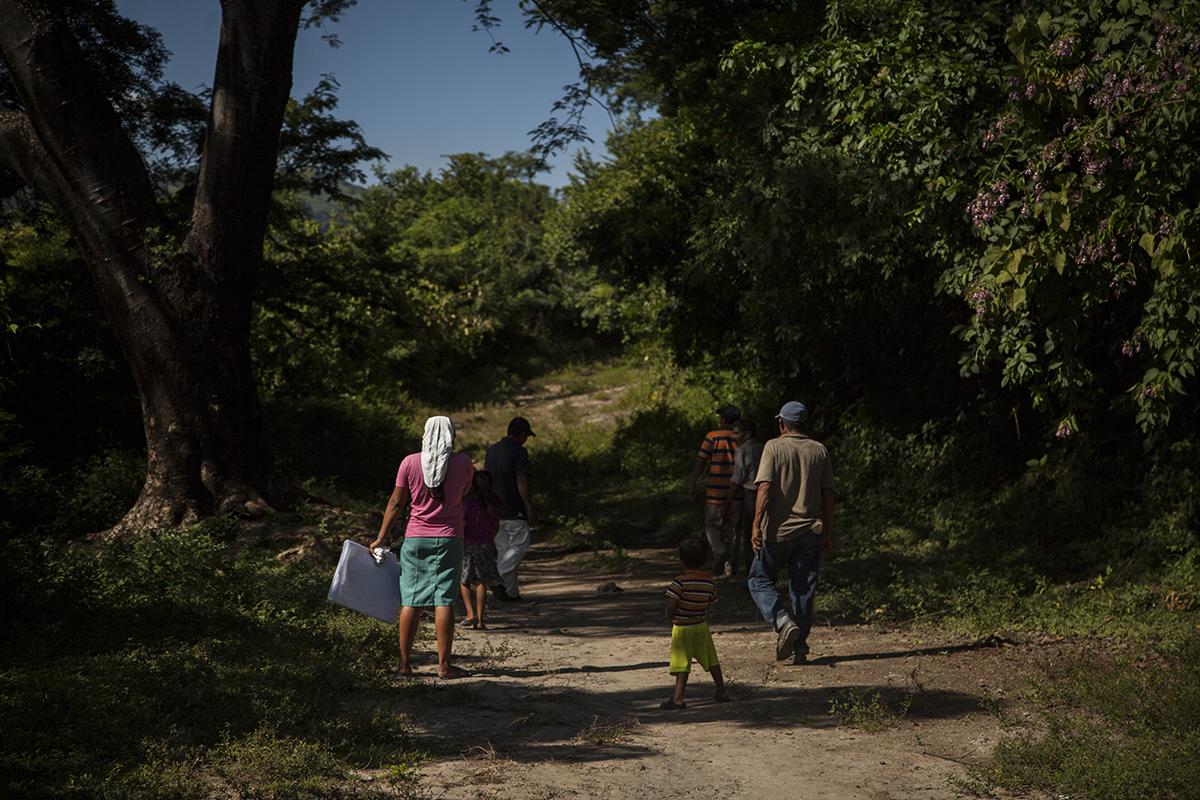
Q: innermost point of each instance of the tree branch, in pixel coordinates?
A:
(76, 127)
(551, 136)
(250, 92)
(70, 146)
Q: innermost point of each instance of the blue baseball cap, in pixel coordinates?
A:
(793, 411)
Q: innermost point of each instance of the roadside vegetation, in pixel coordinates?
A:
(962, 234)
(193, 662)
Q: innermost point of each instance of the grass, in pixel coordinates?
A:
(1114, 727)
(603, 734)
(195, 664)
(186, 666)
(867, 710)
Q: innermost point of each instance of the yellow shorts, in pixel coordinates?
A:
(692, 641)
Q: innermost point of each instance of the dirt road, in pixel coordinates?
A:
(563, 696)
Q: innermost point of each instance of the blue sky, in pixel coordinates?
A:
(413, 74)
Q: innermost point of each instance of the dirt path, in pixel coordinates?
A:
(564, 691)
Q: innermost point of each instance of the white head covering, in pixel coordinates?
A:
(436, 445)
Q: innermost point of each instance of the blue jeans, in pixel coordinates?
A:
(802, 556)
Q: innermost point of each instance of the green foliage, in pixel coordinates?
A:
(424, 278)
(1115, 728)
(867, 709)
(930, 532)
(214, 669)
(621, 229)
(349, 445)
(68, 420)
(318, 152)
(1086, 207)
(839, 166)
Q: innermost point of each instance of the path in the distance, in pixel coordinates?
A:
(564, 692)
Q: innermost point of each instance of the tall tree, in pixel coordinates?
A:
(180, 306)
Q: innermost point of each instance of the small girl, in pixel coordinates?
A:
(481, 512)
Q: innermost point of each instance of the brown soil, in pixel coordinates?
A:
(563, 694)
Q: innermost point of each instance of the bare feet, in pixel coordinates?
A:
(451, 673)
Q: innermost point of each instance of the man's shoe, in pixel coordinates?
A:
(785, 642)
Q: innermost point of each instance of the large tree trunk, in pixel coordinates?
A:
(181, 310)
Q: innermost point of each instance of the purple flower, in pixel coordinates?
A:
(1063, 47)
(979, 299)
(996, 129)
(1093, 166)
(1133, 345)
(1089, 252)
(1064, 430)
(985, 205)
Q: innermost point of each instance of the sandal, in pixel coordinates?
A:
(671, 705)
(469, 622)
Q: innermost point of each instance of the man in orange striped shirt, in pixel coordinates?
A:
(716, 454)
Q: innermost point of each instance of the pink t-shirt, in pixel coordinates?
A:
(428, 516)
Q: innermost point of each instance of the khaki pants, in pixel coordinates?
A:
(717, 530)
(512, 542)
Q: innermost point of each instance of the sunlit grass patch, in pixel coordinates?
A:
(606, 733)
(867, 709)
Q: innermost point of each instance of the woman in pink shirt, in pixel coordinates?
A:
(431, 484)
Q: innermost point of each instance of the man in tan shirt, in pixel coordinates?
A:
(793, 521)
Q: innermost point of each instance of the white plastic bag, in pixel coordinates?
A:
(364, 586)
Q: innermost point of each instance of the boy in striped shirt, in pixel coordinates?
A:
(716, 456)
(689, 597)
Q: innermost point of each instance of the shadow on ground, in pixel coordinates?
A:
(534, 723)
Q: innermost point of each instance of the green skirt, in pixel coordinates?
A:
(430, 568)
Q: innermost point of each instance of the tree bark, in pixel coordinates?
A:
(180, 310)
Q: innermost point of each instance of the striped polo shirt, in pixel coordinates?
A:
(717, 449)
(694, 591)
